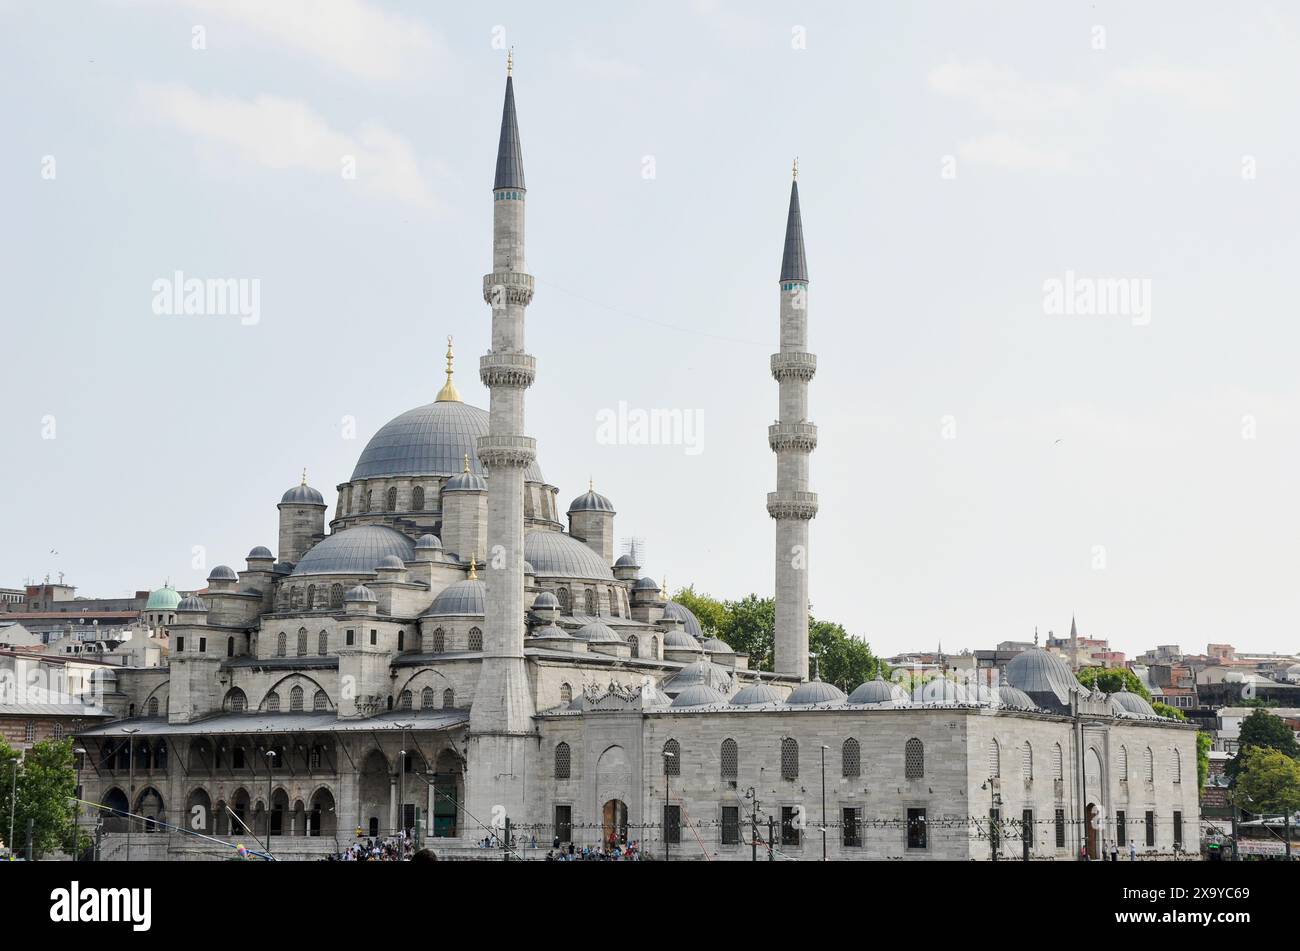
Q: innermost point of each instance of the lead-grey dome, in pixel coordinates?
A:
(261, 551)
(302, 495)
(678, 639)
(679, 612)
(879, 690)
(222, 573)
(466, 482)
(1133, 703)
(359, 593)
(355, 551)
(645, 584)
(597, 633)
(626, 561)
(715, 645)
(940, 690)
(468, 597)
(1037, 672)
(433, 439)
(815, 691)
(545, 601)
(1009, 696)
(193, 603)
(429, 542)
(390, 561)
(699, 695)
(755, 694)
(591, 501)
(556, 555)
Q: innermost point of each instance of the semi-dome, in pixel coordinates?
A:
(163, 599)
(468, 597)
(302, 495)
(815, 691)
(591, 501)
(391, 561)
(222, 573)
(192, 604)
(359, 593)
(433, 439)
(355, 551)
(557, 555)
(597, 633)
(879, 690)
(1133, 703)
(755, 694)
(716, 645)
(684, 614)
(699, 695)
(1036, 671)
(260, 552)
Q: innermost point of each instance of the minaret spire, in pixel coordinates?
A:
(510, 152)
(792, 438)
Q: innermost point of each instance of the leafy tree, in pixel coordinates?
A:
(1168, 712)
(1268, 782)
(711, 612)
(842, 660)
(1262, 730)
(46, 786)
(751, 627)
(1113, 680)
(1203, 743)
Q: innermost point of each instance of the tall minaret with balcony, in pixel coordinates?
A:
(793, 438)
(502, 735)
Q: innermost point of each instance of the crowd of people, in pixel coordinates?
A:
(397, 848)
(612, 851)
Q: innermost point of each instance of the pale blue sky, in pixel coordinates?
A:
(926, 299)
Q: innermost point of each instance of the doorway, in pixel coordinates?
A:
(614, 823)
(1093, 852)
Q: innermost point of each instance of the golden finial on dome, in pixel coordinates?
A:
(473, 569)
(304, 476)
(591, 484)
(466, 463)
(449, 393)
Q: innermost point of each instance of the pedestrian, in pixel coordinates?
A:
(1132, 852)
(1114, 851)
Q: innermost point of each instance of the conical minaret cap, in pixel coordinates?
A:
(510, 153)
(794, 266)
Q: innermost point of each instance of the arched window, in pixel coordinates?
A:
(562, 761)
(1178, 766)
(236, 700)
(320, 701)
(613, 602)
(426, 698)
(439, 641)
(632, 643)
(565, 599)
(311, 597)
(1123, 764)
(589, 601)
(1027, 762)
(295, 700)
(153, 706)
(272, 702)
(566, 693)
(672, 758)
(789, 758)
(295, 598)
(160, 755)
(654, 646)
(302, 642)
(230, 647)
(281, 644)
(405, 701)
(914, 759)
(366, 504)
(322, 643)
(392, 498)
(417, 499)
(1149, 765)
(448, 698)
(730, 759)
(475, 639)
(995, 759)
(1058, 762)
(401, 640)
(336, 596)
(851, 758)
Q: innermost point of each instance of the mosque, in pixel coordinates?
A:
(452, 655)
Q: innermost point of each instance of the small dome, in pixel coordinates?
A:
(879, 690)
(193, 604)
(302, 495)
(556, 555)
(940, 690)
(1133, 703)
(545, 602)
(1035, 671)
(552, 631)
(626, 561)
(815, 691)
(463, 598)
(354, 551)
(680, 640)
(597, 633)
(645, 584)
(428, 542)
(223, 573)
(391, 561)
(699, 695)
(684, 614)
(1014, 697)
(591, 501)
(164, 599)
(360, 593)
(755, 694)
(466, 482)
(715, 645)
(701, 672)
(260, 552)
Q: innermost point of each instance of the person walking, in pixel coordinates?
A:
(1132, 852)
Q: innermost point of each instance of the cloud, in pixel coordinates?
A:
(347, 34)
(282, 134)
(1196, 88)
(1002, 94)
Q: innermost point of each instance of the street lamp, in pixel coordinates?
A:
(80, 753)
(270, 777)
(668, 757)
(130, 732)
(993, 804)
(401, 785)
(824, 749)
(13, 807)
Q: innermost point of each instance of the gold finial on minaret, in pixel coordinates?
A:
(467, 463)
(510, 61)
(304, 475)
(449, 393)
(473, 569)
(795, 168)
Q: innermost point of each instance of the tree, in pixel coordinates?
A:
(750, 627)
(842, 660)
(1268, 782)
(1168, 712)
(1203, 743)
(1265, 731)
(1113, 680)
(711, 612)
(47, 784)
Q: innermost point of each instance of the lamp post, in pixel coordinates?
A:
(993, 804)
(80, 753)
(824, 749)
(13, 807)
(130, 732)
(270, 778)
(401, 783)
(668, 757)
(753, 824)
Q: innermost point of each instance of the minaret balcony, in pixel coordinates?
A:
(792, 505)
(507, 452)
(507, 368)
(507, 287)
(800, 437)
(794, 366)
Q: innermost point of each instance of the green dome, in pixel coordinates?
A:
(164, 599)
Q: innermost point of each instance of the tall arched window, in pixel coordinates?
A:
(730, 759)
(995, 759)
(449, 698)
(295, 700)
(632, 643)
(1149, 765)
(323, 644)
(566, 693)
(311, 597)
(320, 701)
(426, 698)
(272, 702)
(1058, 762)
(236, 700)
(392, 498)
(789, 758)
(589, 601)
(302, 642)
(475, 639)
(417, 499)
(565, 599)
(654, 646)
(336, 596)
(230, 647)
(1178, 766)
(401, 640)
(1027, 761)
(914, 759)
(281, 644)
(295, 598)
(851, 758)
(153, 706)
(562, 764)
(439, 641)
(1123, 764)
(672, 758)
(405, 701)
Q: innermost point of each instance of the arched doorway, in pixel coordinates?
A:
(447, 796)
(374, 805)
(198, 811)
(150, 806)
(115, 808)
(1093, 816)
(321, 820)
(613, 824)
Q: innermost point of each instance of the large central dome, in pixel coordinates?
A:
(429, 440)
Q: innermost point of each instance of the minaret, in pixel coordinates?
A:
(793, 438)
(502, 734)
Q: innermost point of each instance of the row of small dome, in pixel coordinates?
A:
(589, 501)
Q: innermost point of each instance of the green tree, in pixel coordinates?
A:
(711, 612)
(46, 786)
(1262, 730)
(750, 627)
(1113, 680)
(1203, 743)
(1268, 782)
(842, 660)
(1168, 712)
